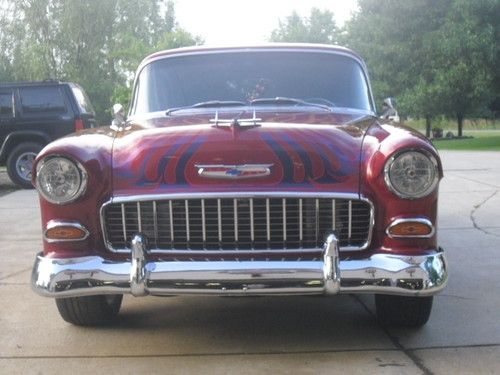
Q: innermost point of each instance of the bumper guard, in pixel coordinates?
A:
(380, 273)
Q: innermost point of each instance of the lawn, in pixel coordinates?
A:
(483, 140)
(485, 133)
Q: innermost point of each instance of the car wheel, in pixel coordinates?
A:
(403, 311)
(89, 310)
(20, 162)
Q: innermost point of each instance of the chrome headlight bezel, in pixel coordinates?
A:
(78, 168)
(433, 166)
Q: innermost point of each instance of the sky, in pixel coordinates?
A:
(235, 22)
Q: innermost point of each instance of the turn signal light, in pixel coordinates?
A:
(411, 228)
(65, 232)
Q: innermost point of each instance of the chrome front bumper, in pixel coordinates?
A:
(381, 273)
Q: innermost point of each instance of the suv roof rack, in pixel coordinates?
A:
(31, 83)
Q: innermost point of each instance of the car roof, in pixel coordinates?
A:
(297, 47)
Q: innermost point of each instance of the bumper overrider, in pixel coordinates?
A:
(380, 273)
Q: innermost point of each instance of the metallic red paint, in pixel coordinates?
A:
(329, 152)
(322, 155)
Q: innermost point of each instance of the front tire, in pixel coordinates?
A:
(20, 163)
(410, 312)
(90, 310)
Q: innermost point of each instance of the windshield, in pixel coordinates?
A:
(325, 78)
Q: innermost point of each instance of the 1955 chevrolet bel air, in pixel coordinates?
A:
(242, 171)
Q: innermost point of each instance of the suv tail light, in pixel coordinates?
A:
(79, 125)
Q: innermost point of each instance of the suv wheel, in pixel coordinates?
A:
(89, 310)
(403, 311)
(20, 162)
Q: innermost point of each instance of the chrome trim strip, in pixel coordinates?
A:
(252, 233)
(222, 195)
(300, 221)
(422, 275)
(334, 225)
(155, 223)
(171, 217)
(203, 221)
(234, 195)
(284, 219)
(219, 220)
(60, 223)
(421, 220)
(139, 220)
(349, 221)
(186, 208)
(235, 203)
(124, 224)
(317, 218)
(268, 221)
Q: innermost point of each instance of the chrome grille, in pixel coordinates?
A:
(240, 223)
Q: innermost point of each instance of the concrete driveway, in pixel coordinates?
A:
(313, 335)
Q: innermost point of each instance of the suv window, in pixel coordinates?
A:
(82, 100)
(42, 99)
(6, 105)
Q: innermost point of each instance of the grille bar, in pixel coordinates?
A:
(238, 224)
(171, 221)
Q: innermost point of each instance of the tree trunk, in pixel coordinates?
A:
(460, 122)
(428, 126)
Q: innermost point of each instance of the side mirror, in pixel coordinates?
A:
(119, 117)
(389, 111)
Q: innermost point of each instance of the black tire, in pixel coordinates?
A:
(20, 161)
(401, 311)
(91, 310)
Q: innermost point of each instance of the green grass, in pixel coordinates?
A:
(484, 140)
(451, 125)
(485, 133)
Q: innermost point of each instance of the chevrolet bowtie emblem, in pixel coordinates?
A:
(234, 172)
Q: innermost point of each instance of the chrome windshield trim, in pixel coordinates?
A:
(236, 195)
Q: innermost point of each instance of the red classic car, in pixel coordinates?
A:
(242, 171)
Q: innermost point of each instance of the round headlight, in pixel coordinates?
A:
(60, 180)
(412, 174)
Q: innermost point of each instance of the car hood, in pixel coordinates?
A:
(307, 152)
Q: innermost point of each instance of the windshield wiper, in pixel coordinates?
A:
(279, 100)
(209, 104)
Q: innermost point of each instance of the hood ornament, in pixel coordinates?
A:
(235, 122)
(233, 172)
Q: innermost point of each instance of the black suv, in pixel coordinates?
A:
(33, 114)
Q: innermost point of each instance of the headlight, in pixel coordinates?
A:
(60, 180)
(412, 174)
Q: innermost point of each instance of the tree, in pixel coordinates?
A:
(463, 69)
(319, 27)
(96, 44)
(438, 57)
(390, 34)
